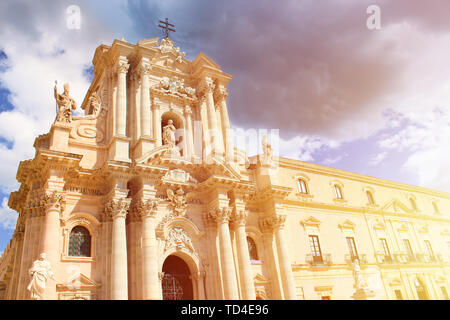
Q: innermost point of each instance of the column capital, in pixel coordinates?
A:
(220, 215)
(144, 68)
(187, 110)
(122, 67)
(53, 201)
(146, 208)
(273, 223)
(221, 93)
(239, 217)
(118, 207)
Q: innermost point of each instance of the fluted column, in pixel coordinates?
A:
(151, 289)
(119, 270)
(239, 219)
(222, 217)
(189, 131)
(221, 96)
(121, 100)
(53, 205)
(276, 223)
(156, 123)
(208, 90)
(199, 278)
(145, 100)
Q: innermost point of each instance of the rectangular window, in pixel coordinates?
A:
(384, 245)
(398, 294)
(301, 186)
(315, 249)
(429, 248)
(352, 248)
(338, 191)
(408, 248)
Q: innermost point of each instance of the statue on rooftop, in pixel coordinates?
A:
(65, 104)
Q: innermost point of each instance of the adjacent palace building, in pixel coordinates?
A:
(146, 197)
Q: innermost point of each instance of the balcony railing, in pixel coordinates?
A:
(362, 258)
(324, 259)
(384, 258)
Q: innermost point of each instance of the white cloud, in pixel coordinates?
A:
(8, 217)
(378, 158)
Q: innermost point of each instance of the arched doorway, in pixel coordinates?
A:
(177, 282)
(421, 290)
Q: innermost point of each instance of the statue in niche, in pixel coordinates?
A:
(95, 104)
(65, 104)
(168, 137)
(39, 272)
(177, 201)
(169, 133)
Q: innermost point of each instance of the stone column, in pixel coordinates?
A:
(145, 99)
(151, 289)
(53, 206)
(199, 278)
(119, 269)
(222, 216)
(189, 131)
(208, 89)
(121, 100)
(221, 96)
(156, 123)
(277, 223)
(239, 219)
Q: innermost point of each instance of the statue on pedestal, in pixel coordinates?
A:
(39, 272)
(65, 104)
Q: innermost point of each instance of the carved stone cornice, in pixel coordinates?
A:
(272, 223)
(220, 215)
(118, 207)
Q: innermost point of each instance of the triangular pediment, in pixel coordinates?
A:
(148, 43)
(395, 206)
(78, 283)
(311, 221)
(202, 60)
(347, 224)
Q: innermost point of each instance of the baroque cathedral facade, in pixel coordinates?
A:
(146, 197)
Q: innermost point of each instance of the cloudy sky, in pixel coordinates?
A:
(371, 101)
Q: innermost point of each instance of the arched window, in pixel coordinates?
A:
(370, 197)
(80, 242)
(338, 191)
(252, 250)
(301, 184)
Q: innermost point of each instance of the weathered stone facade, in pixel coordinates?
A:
(151, 172)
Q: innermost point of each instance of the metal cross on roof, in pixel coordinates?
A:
(166, 28)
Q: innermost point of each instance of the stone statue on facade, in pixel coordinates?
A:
(177, 201)
(267, 151)
(169, 134)
(65, 104)
(39, 272)
(362, 291)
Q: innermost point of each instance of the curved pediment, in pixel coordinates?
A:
(396, 206)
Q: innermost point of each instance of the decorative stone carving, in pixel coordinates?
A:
(53, 200)
(178, 238)
(39, 272)
(239, 217)
(122, 67)
(221, 215)
(94, 103)
(176, 86)
(118, 208)
(166, 45)
(65, 104)
(146, 208)
(178, 176)
(177, 202)
(272, 223)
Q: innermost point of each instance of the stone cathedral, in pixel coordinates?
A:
(146, 197)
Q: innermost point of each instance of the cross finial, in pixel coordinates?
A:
(166, 28)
